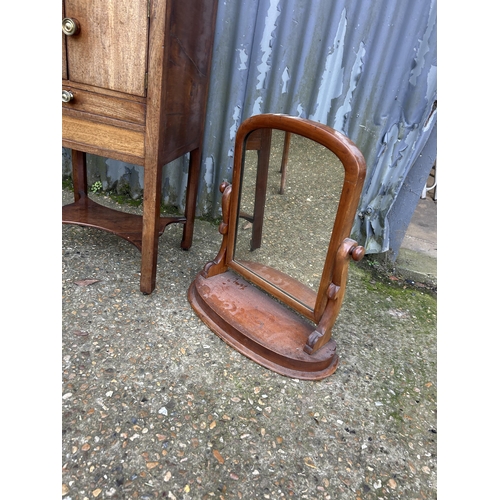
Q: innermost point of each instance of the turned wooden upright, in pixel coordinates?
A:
(135, 85)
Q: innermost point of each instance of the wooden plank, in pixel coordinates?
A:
(107, 137)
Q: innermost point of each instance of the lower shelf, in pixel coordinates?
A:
(86, 212)
(259, 327)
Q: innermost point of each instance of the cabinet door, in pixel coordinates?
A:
(111, 49)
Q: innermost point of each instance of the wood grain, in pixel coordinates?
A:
(103, 136)
(104, 105)
(111, 49)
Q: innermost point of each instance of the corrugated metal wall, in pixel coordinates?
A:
(364, 67)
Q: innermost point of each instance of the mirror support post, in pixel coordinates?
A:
(219, 265)
(347, 250)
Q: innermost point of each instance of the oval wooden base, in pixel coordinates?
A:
(260, 327)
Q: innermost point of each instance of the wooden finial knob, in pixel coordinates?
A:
(357, 253)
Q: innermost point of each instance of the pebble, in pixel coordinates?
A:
(218, 456)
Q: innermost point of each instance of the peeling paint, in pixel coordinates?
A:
(243, 59)
(209, 171)
(257, 106)
(423, 47)
(236, 122)
(431, 83)
(285, 77)
(266, 42)
(332, 78)
(357, 68)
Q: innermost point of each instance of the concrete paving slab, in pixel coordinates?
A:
(155, 405)
(417, 258)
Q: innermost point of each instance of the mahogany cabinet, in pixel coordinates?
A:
(135, 84)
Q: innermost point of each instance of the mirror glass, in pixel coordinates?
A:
(290, 192)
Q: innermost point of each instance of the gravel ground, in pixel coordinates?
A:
(154, 405)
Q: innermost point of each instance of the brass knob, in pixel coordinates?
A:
(70, 26)
(67, 95)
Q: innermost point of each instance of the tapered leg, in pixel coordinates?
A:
(150, 227)
(191, 195)
(79, 164)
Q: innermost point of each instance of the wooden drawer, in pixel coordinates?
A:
(105, 139)
(106, 105)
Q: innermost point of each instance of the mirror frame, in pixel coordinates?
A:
(355, 170)
(211, 299)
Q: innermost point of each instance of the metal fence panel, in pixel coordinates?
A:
(364, 67)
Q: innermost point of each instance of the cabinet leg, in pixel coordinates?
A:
(191, 195)
(150, 229)
(79, 164)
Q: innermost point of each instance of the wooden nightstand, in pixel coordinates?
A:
(135, 85)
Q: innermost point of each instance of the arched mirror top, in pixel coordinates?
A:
(347, 152)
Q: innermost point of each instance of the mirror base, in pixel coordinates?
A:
(260, 327)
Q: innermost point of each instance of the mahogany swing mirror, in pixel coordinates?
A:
(275, 288)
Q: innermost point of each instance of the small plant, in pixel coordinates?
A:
(96, 187)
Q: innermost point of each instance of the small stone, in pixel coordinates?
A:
(218, 456)
(65, 489)
(168, 476)
(213, 424)
(152, 465)
(96, 492)
(86, 282)
(392, 483)
(80, 333)
(163, 411)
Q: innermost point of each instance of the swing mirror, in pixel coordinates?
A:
(290, 191)
(275, 288)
